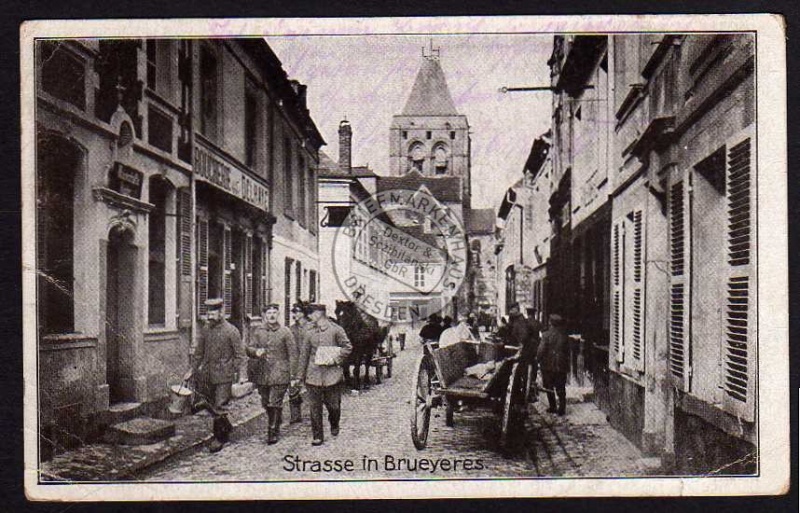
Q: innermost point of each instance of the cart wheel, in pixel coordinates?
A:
(421, 401)
(448, 417)
(513, 420)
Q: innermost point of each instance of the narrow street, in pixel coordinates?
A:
(375, 424)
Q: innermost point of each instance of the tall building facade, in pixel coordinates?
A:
(158, 166)
(653, 249)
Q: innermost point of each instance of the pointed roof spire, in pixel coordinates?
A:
(430, 95)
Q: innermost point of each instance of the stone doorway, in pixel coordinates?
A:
(120, 316)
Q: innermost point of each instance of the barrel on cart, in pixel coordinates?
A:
(473, 373)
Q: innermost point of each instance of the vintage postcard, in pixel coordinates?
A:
(405, 257)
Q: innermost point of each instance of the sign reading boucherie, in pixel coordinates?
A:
(212, 169)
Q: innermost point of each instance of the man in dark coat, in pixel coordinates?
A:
(275, 353)
(553, 356)
(218, 356)
(432, 329)
(300, 317)
(323, 378)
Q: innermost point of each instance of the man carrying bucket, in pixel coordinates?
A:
(218, 356)
(275, 351)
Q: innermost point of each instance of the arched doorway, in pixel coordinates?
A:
(120, 315)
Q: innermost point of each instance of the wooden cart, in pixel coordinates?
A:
(441, 380)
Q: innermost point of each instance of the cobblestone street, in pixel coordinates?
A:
(375, 425)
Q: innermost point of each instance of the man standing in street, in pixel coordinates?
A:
(218, 356)
(275, 353)
(553, 356)
(522, 333)
(322, 352)
(299, 316)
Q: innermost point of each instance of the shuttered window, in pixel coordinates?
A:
(618, 349)
(185, 230)
(679, 294)
(264, 272)
(227, 276)
(287, 292)
(739, 348)
(637, 286)
(202, 267)
(299, 281)
(248, 276)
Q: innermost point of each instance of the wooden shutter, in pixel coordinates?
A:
(248, 276)
(202, 267)
(617, 305)
(185, 230)
(637, 285)
(264, 273)
(739, 347)
(287, 292)
(227, 260)
(679, 304)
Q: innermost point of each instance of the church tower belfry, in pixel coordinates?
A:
(430, 136)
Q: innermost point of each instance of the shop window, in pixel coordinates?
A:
(157, 244)
(159, 129)
(57, 164)
(63, 74)
(209, 83)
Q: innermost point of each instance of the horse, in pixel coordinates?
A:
(365, 334)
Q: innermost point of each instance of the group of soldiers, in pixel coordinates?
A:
(541, 349)
(280, 360)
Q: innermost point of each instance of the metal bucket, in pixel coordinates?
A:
(181, 399)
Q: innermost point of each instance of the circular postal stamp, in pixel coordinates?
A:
(400, 246)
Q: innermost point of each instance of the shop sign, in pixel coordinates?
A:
(126, 180)
(212, 169)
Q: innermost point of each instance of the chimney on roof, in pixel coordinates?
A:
(345, 147)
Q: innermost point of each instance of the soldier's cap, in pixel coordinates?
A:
(313, 307)
(214, 303)
(272, 306)
(556, 319)
(513, 305)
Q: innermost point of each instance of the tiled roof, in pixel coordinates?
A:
(328, 167)
(444, 188)
(430, 95)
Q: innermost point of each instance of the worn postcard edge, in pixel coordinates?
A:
(774, 450)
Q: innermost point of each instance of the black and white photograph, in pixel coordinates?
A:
(430, 257)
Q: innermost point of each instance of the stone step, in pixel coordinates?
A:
(139, 431)
(120, 412)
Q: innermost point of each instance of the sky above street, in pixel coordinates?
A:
(367, 79)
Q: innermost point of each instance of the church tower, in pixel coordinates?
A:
(430, 136)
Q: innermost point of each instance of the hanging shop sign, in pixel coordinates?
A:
(126, 180)
(210, 168)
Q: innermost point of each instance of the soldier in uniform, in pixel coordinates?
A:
(323, 379)
(275, 353)
(299, 315)
(553, 356)
(218, 356)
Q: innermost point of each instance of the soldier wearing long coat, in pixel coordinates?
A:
(323, 381)
(553, 356)
(218, 356)
(273, 354)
